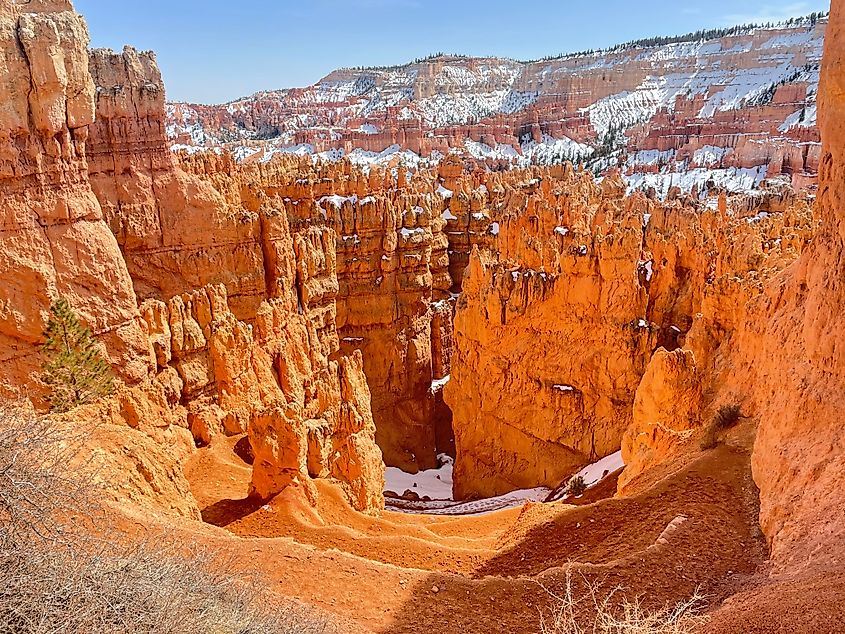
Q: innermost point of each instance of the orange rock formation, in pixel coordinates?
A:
(237, 312)
(310, 306)
(799, 455)
(389, 250)
(53, 240)
(240, 307)
(775, 348)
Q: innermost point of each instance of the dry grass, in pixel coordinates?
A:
(58, 576)
(612, 615)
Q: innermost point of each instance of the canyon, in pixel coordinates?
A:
(289, 330)
(728, 107)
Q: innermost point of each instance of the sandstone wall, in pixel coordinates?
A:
(799, 456)
(392, 271)
(237, 317)
(311, 305)
(710, 285)
(53, 241)
(561, 314)
(176, 232)
(771, 341)
(549, 342)
(241, 308)
(392, 262)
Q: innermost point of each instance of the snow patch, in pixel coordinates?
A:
(434, 483)
(439, 384)
(596, 472)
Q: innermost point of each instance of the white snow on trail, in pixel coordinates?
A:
(596, 472)
(436, 484)
(476, 507)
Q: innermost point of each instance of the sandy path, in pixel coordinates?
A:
(406, 573)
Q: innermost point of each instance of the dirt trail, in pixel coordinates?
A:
(407, 573)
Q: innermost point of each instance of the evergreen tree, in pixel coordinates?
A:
(74, 368)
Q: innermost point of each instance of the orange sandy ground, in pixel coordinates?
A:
(498, 572)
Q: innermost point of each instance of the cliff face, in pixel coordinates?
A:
(775, 348)
(392, 262)
(712, 288)
(388, 280)
(799, 455)
(237, 314)
(54, 242)
(310, 306)
(560, 318)
(770, 340)
(549, 346)
(176, 233)
(241, 308)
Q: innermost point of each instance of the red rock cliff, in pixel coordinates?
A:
(241, 307)
(562, 314)
(799, 456)
(53, 240)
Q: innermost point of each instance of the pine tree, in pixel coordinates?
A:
(74, 368)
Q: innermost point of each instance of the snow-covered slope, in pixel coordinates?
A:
(718, 87)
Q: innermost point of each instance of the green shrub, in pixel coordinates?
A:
(74, 368)
(576, 486)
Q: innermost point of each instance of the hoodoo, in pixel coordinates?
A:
(463, 345)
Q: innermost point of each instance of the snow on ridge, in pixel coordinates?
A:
(368, 128)
(650, 157)
(483, 151)
(709, 155)
(549, 150)
(474, 88)
(454, 109)
(464, 90)
(732, 179)
(805, 118)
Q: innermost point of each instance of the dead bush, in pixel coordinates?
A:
(59, 576)
(100, 586)
(42, 480)
(612, 615)
(727, 417)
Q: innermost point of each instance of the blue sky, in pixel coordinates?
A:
(212, 51)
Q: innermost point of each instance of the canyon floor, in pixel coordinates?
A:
(692, 527)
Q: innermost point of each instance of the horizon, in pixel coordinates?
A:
(253, 64)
